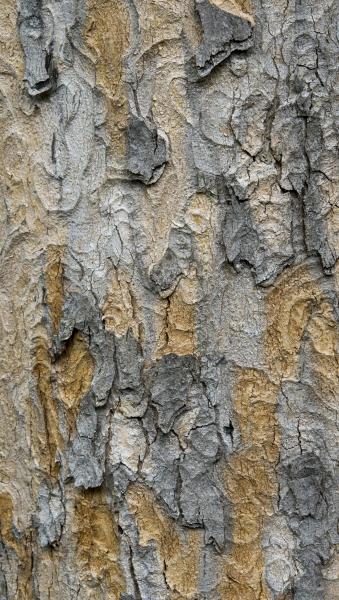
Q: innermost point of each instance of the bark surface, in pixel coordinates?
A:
(169, 235)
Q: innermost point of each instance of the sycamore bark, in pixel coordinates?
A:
(169, 236)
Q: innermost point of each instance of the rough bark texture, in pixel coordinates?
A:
(168, 367)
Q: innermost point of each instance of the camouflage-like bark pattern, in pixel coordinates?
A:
(169, 376)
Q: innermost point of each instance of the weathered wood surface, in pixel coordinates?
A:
(168, 302)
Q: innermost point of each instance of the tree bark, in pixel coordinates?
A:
(168, 325)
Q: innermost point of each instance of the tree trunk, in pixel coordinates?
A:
(168, 366)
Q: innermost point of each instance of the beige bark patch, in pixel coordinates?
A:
(10, 47)
(200, 217)
(54, 273)
(118, 312)
(330, 573)
(21, 548)
(98, 543)
(107, 32)
(240, 8)
(46, 446)
(250, 485)
(6, 521)
(74, 371)
(178, 550)
(160, 20)
(178, 333)
(295, 304)
(323, 331)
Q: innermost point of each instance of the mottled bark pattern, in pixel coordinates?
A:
(168, 300)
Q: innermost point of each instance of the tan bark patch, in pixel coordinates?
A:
(200, 217)
(98, 542)
(178, 550)
(74, 372)
(10, 47)
(54, 283)
(323, 332)
(118, 312)
(107, 32)
(178, 334)
(297, 303)
(250, 484)
(6, 521)
(240, 8)
(21, 549)
(330, 574)
(48, 445)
